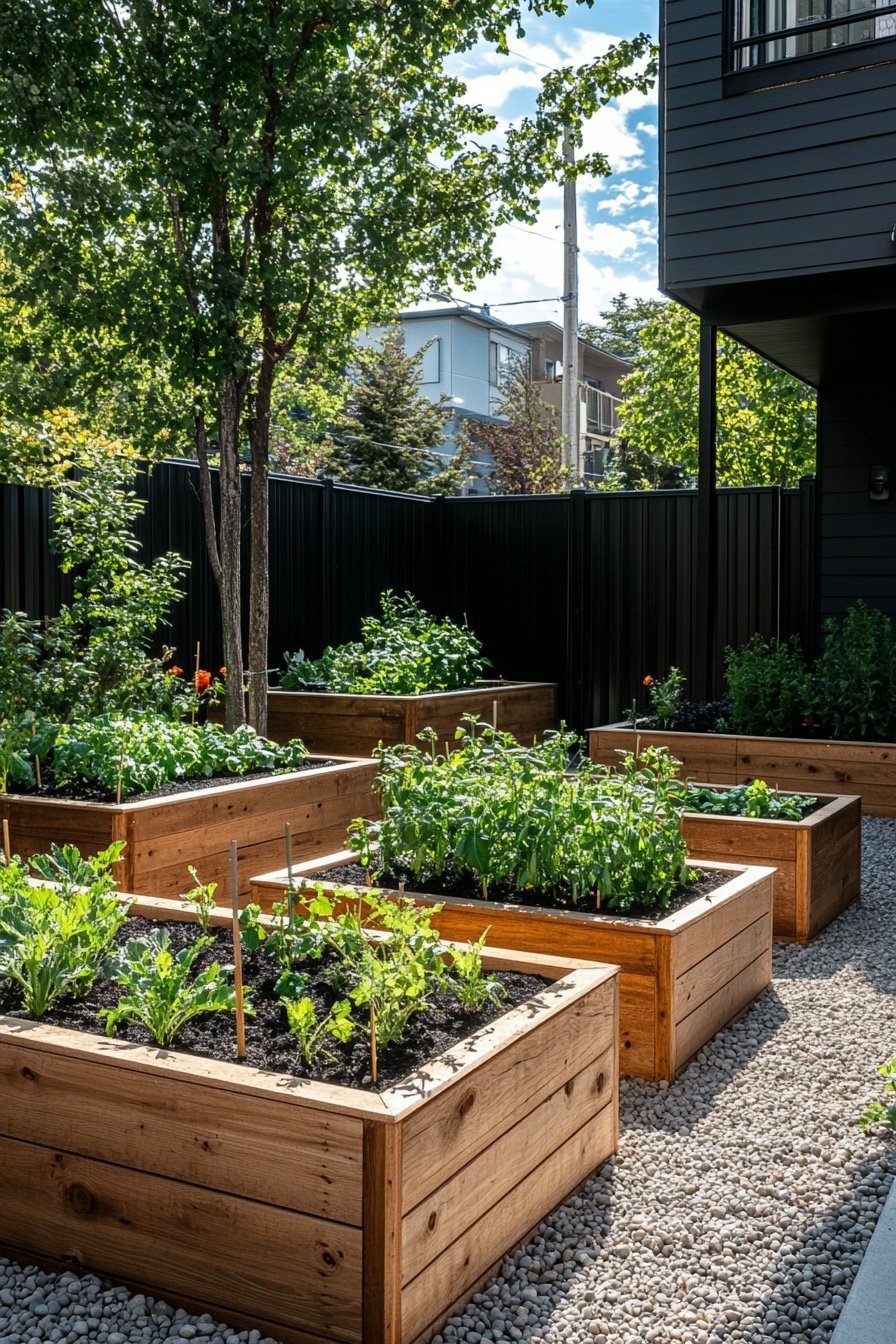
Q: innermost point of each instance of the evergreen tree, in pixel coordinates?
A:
(389, 431)
(619, 331)
(528, 450)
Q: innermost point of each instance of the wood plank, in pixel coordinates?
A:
(432, 1224)
(182, 1236)
(461, 1121)
(382, 1234)
(720, 922)
(711, 756)
(700, 982)
(506, 1223)
(693, 1031)
(229, 1141)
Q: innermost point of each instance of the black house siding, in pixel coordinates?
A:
(793, 180)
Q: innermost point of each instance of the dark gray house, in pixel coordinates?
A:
(778, 225)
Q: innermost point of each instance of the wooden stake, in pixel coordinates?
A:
(195, 688)
(118, 785)
(237, 956)
(7, 853)
(36, 760)
(495, 715)
(373, 1059)
(290, 890)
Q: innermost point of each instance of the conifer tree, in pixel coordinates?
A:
(389, 432)
(528, 450)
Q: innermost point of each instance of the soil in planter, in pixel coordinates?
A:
(465, 888)
(269, 1043)
(84, 793)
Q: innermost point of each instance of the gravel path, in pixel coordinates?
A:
(739, 1205)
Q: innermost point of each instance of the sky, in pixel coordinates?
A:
(617, 215)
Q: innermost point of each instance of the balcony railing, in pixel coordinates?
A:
(601, 411)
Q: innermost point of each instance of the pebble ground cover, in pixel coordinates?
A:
(737, 1210)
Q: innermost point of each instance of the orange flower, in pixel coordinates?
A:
(203, 681)
(223, 671)
(648, 681)
(176, 671)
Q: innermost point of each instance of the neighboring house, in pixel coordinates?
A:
(467, 350)
(778, 226)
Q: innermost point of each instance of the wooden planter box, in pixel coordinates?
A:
(353, 725)
(801, 765)
(681, 979)
(818, 860)
(164, 835)
(310, 1211)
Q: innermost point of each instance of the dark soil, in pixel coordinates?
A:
(269, 1044)
(465, 888)
(84, 793)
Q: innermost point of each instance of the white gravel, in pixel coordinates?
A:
(738, 1208)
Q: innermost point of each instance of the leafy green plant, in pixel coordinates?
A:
(66, 865)
(311, 1029)
(509, 815)
(748, 800)
(162, 992)
(20, 650)
(879, 1112)
(200, 899)
(141, 753)
(405, 651)
(855, 676)
(665, 696)
(53, 940)
(468, 981)
(769, 686)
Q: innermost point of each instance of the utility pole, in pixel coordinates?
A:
(569, 400)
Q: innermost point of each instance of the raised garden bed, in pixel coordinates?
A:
(353, 725)
(681, 978)
(164, 835)
(804, 765)
(818, 860)
(308, 1211)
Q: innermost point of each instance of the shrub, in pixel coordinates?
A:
(769, 687)
(855, 677)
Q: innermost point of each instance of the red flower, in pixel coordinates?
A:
(176, 671)
(202, 680)
(223, 671)
(648, 681)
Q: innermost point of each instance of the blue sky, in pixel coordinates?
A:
(616, 215)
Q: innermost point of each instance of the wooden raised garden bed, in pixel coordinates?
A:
(803, 765)
(353, 725)
(164, 835)
(681, 979)
(818, 860)
(308, 1211)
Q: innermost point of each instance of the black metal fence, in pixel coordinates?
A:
(590, 590)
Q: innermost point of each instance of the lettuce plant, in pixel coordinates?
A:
(748, 800)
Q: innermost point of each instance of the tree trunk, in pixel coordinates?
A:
(228, 571)
(259, 587)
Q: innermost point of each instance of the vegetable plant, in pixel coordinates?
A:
(405, 651)
(162, 991)
(769, 686)
(200, 899)
(511, 816)
(311, 1028)
(748, 800)
(855, 677)
(19, 654)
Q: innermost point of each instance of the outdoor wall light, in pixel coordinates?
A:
(879, 484)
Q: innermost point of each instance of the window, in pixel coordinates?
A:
(500, 358)
(766, 31)
(430, 361)
(551, 369)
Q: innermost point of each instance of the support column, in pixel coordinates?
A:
(703, 674)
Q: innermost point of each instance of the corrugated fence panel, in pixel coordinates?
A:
(591, 590)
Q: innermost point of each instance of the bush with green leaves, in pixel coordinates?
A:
(20, 650)
(405, 651)
(748, 800)
(769, 687)
(855, 676)
(510, 816)
(139, 754)
(54, 939)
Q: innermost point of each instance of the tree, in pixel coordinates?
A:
(216, 183)
(620, 331)
(528, 450)
(766, 418)
(389, 431)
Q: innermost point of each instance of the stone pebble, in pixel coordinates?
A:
(736, 1211)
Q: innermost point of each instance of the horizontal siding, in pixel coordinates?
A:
(762, 185)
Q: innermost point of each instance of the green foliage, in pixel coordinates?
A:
(142, 753)
(505, 814)
(665, 696)
(528, 450)
(200, 899)
(53, 940)
(406, 651)
(19, 653)
(162, 991)
(389, 431)
(65, 865)
(766, 418)
(620, 331)
(467, 980)
(880, 1112)
(311, 1030)
(748, 800)
(855, 676)
(769, 686)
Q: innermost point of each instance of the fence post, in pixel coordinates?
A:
(575, 699)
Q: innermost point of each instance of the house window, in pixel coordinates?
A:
(500, 358)
(551, 369)
(766, 31)
(431, 361)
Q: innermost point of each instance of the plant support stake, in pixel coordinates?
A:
(237, 957)
(195, 683)
(290, 890)
(7, 855)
